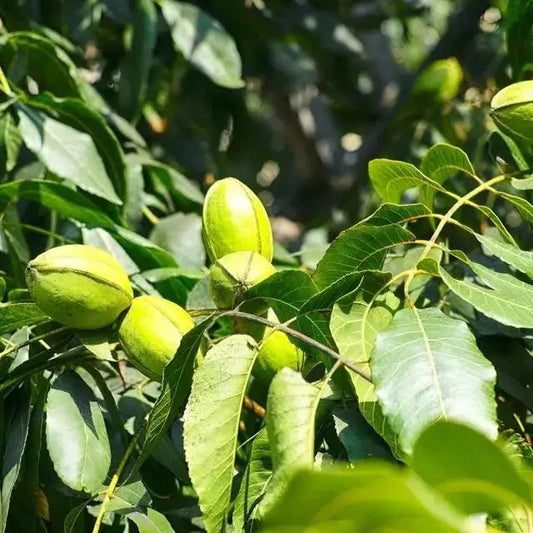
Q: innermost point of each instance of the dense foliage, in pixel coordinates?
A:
(404, 402)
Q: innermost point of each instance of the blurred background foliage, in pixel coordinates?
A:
(328, 85)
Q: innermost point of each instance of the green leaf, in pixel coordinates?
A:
(56, 197)
(354, 324)
(442, 162)
(408, 258)
(17, 421)
(134, 492)
(396, 214)
(357, 436)
(181, 235)
(150, 521)
(136, 64)
(524, 208)
(361, 247)
(181, 188)
(286, 292)
(372, 497)
(391, 179)
(10, 143)
(291, 409)
(254, 482)
(79, 116)
(8, 362)
(147, 520)
(512, 255)
(70, 524)
(469, 470)
(16, 315)
(47, 64)
(328, 296)
(505, 298)
(427, 366)
(66, 151)
(290, 421)
(76, 435)
(204, 42)
(495, 219)
(177, 379)
(211, 424)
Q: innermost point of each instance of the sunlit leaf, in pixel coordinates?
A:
(177, 379)
(442, 162)
(391, 179)
(372, 497)
(66, 151)
(211, 424)
(472, 472)
(501, 297)
(17, 315)
(426, 367)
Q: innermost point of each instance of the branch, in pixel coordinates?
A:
(302, 337)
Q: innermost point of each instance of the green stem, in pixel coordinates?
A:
(4, 84)
(447, 218)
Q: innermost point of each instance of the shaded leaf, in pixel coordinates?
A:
(512, 255)
(17, 422)
(355, 321)
(56, 197)
(524, 208)
(82, 118)
(182, 189)
(48, 65)
(181, 235)
(76, 435)
(357, 436)
(10, 143)
(74, 515)
(254, 481)
(204, 42)
(136, 65)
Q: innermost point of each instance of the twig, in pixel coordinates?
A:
(447, 217)
(114, 481)
(253, 407)
(150, 215)
(17, 347)
(4, 84)
(304, 338)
